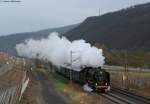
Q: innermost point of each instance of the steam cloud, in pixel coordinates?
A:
(59, 50)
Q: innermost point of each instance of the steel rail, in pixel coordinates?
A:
(132, 95)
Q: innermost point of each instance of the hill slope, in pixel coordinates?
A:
(7, 43)
(125, 29)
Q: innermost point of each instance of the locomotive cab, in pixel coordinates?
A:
(98, 79)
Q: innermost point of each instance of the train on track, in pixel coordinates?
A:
(97, 78)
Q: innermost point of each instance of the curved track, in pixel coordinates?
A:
(117, 96)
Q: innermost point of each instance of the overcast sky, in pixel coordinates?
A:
(32, 15)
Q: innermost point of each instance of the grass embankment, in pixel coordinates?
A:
(60, 83)
(136, 81)
(74, 92)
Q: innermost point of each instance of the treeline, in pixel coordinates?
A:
(123, 29)
(136, 58)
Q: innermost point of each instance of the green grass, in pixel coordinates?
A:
(59, 84)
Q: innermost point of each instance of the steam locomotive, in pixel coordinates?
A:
(96, 78)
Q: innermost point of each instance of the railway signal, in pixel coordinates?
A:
(71, 67)
(71, 62)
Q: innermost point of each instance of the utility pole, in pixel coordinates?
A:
(99, 12)
(125, 60)
(126, 70)
(71, 62)
(71, 66)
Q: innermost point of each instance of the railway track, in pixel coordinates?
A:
(117, 96)
(132, 95)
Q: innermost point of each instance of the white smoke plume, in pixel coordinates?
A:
(59, 50)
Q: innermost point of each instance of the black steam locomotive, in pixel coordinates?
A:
(98, 79)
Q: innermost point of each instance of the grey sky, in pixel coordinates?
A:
(32, 15)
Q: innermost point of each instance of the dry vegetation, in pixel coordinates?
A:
(13, 73)
(137, 82)
(32, 94)
(134, 58)
(75, 93)
(11, 70)
(80, 96)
